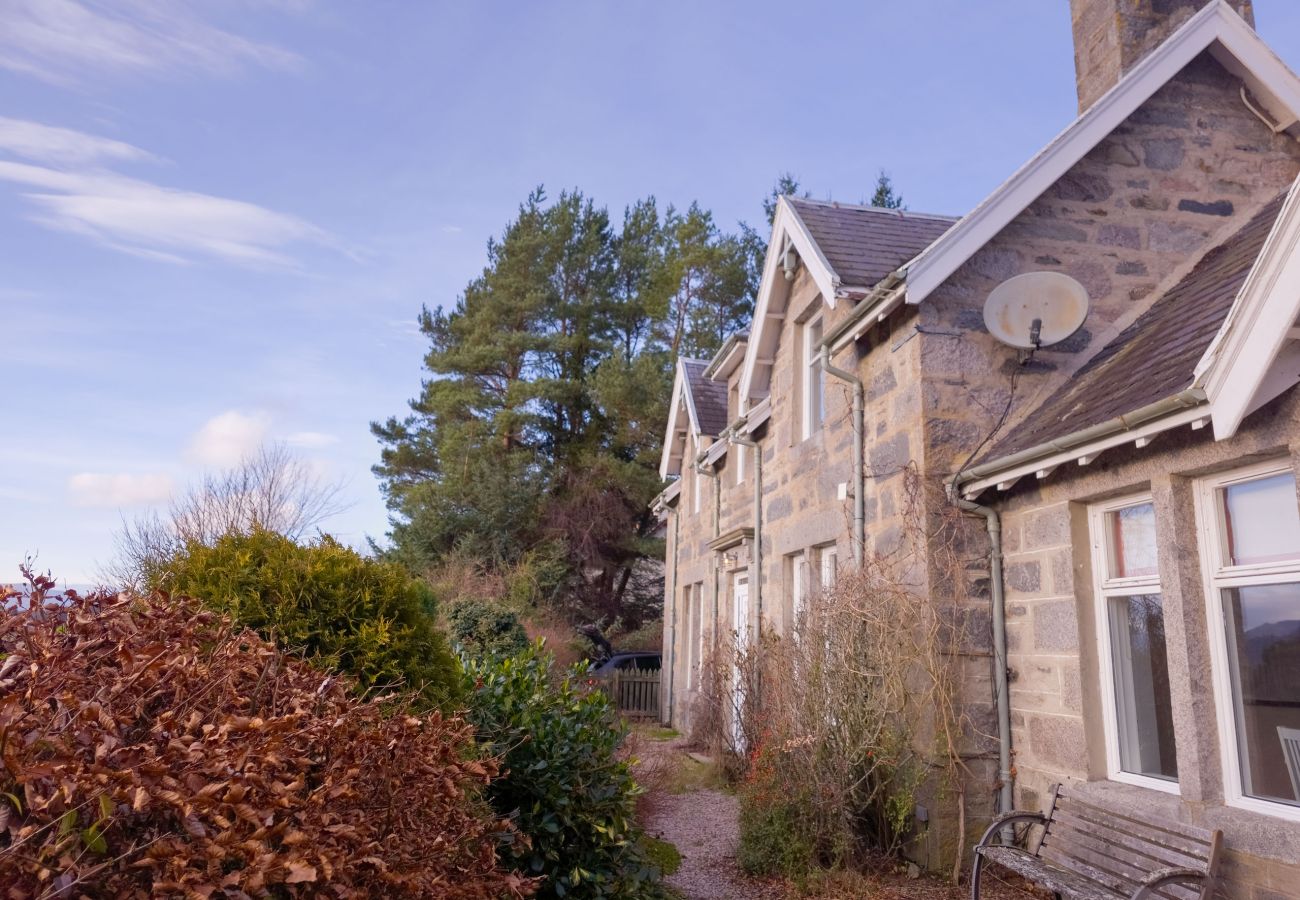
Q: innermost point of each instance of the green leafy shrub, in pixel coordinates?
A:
(484, 629)
(774, 837)
(565, 785)
(366, 618)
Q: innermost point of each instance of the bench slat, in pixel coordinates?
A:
(1093, 851)
(1190, 833)
(1068, 884)
(1133, 864)
(1089, 852)
(1071, 859)
(1141, 853)
(1092, 817)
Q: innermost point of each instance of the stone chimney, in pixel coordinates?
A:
(1111, 36)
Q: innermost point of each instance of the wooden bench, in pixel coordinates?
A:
(1086, 852)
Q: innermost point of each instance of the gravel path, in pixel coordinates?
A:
(702, 824)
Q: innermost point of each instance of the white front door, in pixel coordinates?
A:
(740, 623)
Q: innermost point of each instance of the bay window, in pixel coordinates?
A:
(1250, 542)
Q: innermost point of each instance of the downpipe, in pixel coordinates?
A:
(1000, 682)
(673, 601)
(859, 474)
(704, 470)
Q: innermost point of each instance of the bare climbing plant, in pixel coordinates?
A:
(855, 710)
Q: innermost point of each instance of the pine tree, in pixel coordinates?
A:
(884, 197)
(538, 431)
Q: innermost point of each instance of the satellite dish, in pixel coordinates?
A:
(1036, 309)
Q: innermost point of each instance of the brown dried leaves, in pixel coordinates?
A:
(148, 747)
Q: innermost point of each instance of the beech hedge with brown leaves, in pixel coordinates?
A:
(148, 746)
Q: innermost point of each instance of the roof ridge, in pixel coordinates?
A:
(867, 207)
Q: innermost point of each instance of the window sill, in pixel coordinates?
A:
(1146, 782)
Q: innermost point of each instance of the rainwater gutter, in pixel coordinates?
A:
(879, 302)
(1192, 397)
(859, 475)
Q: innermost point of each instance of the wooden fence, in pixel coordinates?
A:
(636, 693)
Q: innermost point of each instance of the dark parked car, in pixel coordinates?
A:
(637, 660)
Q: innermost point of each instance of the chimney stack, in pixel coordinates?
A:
(1112, 36)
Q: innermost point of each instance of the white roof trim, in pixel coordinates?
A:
(682, 399)
(1217, 28)
(774, 294)
(1083, 454)
(1254, 356)
(721, 369)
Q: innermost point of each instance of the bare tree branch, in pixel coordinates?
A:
(271, 490)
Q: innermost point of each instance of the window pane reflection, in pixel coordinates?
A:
(1262, 520)
(1263, 625)
(1143, 709)
(1133, 541)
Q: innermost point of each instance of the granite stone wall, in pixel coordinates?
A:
(1185, 171)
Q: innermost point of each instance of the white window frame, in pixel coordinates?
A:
(1104, 588)
(699, 626)
(799, 586)
(1219, 575)
(697, 483)
(741, 451)
(827, 566)
(694, 629)
(811, 362)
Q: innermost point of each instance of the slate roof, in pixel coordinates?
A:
(863, 244)
(710, 397)
(1154, 358)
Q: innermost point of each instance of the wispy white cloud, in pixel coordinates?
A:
(62, 146)
(68, 41)
(149, 220)
(118, 490)
(310, 440)
(229, 438)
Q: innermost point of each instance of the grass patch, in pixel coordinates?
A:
(689, 775)
(657, 732)
(664, 854)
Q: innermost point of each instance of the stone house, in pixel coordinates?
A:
(1130, 502)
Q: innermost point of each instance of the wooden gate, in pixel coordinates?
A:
(636, 693)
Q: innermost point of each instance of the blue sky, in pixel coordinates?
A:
(218, 221)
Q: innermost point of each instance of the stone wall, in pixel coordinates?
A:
(1128, 221)
(1056, 686)
(1133, 217)
(1112, 36)
(1186, 170)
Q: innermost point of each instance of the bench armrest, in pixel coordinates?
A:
(1006, 819)
(1162, 877)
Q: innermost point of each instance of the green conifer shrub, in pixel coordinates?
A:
(367, 618)
(485, 629)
